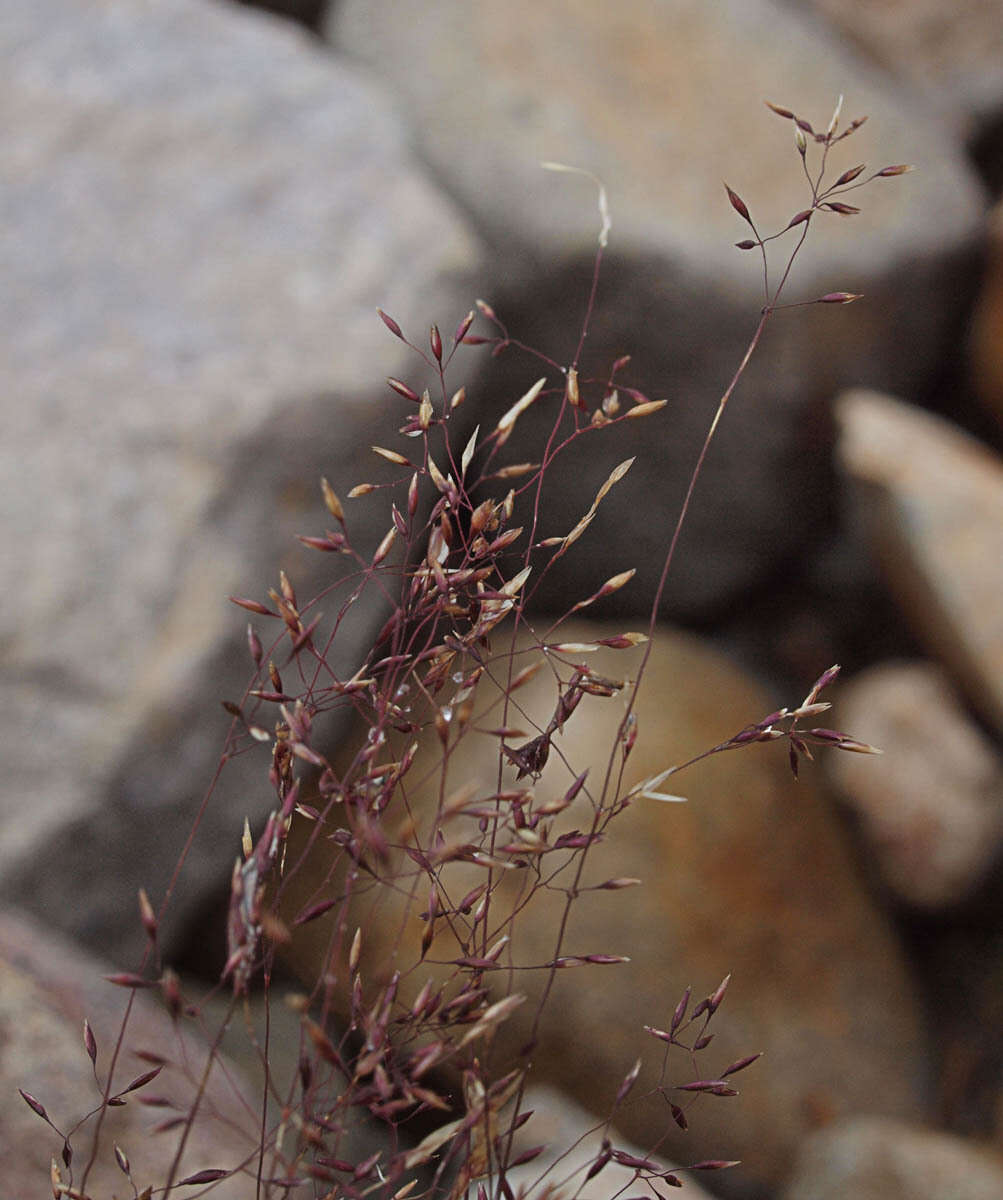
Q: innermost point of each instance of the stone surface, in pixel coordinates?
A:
(201, 209)
(952, 55)
(47, 987)
(932, 815)
(751, 876)
(931, 499)
(572, 1144)
(662, 101)
(873, 1158)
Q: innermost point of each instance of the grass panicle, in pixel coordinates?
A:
(380, 827)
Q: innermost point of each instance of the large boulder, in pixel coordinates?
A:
(662, 101)
(201, 209)
(751, 876)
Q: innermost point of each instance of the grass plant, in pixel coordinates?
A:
(385, 830)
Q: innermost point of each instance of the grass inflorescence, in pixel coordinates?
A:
(412, 883)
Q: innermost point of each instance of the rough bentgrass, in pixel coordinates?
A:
(373, 826)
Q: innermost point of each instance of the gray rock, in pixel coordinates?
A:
(931, 812)
(200, 210)
(875, 1158)
(662, 101)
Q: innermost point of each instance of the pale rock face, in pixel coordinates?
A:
(200, 211)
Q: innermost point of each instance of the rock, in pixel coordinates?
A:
(201, 209)
(931, 500)
(932, 816)
(48, 987)
(752, 876)
(953, 57)
(572, 1144)
(874, 1158)
(661, 102)
(985, 339)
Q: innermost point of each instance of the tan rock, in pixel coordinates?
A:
(663, 101)
(931, 500)
(750, 876)
(950, 54)
(932, 814)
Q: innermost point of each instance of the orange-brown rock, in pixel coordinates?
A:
(750, 876)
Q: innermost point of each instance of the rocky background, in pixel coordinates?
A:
(201, 205)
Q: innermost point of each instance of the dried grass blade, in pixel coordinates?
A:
(614, 476)
(507, 423)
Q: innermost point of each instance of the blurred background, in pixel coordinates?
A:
(202, 205)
